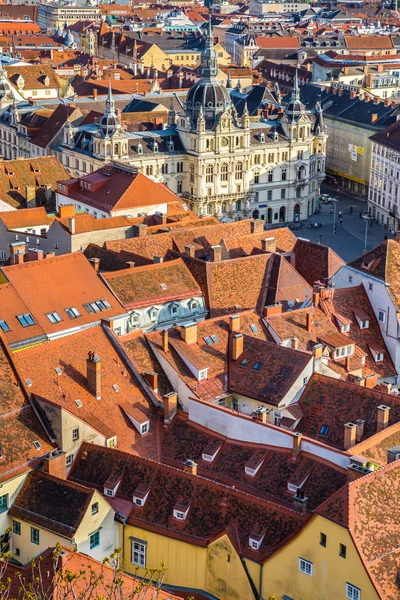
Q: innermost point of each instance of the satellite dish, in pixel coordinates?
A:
(290, 304)
(395, 392)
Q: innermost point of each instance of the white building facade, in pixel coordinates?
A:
(384, 187)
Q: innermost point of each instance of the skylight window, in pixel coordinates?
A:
(163, 286)
(324, 430)
(254, 328)
(54, 317)
(25, 320)
(28, 382)
(58, 371)
(3, 326)
(115, 387)
(244, 362)
(257, 366)
(97, 306)
(73, 312)
(215, 339)
(37, 445)
(78, 403)
(208, 340)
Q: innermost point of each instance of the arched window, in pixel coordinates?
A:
(209, 174)
(224, 172)
(115, 148)
(239, 170)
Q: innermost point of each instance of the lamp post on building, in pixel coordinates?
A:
(334, 200)
(367, 220)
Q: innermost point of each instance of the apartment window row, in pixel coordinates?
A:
(352, 591)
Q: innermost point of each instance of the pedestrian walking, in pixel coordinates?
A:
(341, 221)
(360, 215)
(370, 223)
(340, 214)
(331, 211)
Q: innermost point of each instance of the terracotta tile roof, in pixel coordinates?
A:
(10, 28)
(19, 426)
(25, 217)
(109, 260)
(52, 503)
(143, 249)
(368, 507)
(56, 284)
(53, 125)
(375, 448)
(368, 42)
(183, 440)
(169, 486)
(315, 262)
(214, 356)
(15, 175)
(69, 354)
(85, 223)
(12, 305)
(278, 42)
(383, 262)
(34, 76)
(248, 244)
(270, 372)
(157, 283)
(285, 284)
(333, 402)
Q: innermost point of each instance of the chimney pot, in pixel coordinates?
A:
(189, 333)
(297, 437)
(350, 435)
(234, 322)
(295, 343)
(383, 417)
(238, 341)
(216, 253)
(190, 250)
(71, 225)
(170, 406)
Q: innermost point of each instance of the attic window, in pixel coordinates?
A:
(78, 403)
(178, 514)
(115, 387)
(345, 327)
(208, 340)
(54, 317)
(28, 382)
(244, 362)
(257, 366)
(364, 324)
(58, 371)
(37, 445)
(214, 339)
(73, 312)
(163, 286)
(97, 306)
(324, 430)
(3, 326)
(254, 328)
(25, 320)
(379, 357)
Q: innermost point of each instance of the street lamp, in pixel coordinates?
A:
(367, 220)
(334, 200)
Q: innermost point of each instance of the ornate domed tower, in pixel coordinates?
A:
(208, 93)
(110, 141)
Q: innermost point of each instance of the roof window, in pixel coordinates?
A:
(37, 445)
(115, 387)
(244, 362)
(254, 328)
(28, 382)
(78, 403)
(3, 326)
(214, 339)
(163, 286)
(58, 371)
(211, 339)
(324, 430)
(97, 306)
(25, 320)
(257, 366)
(73, 312)
(54, 317)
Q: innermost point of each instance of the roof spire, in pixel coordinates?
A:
(110, 104)
(209, 63)
(296, 90)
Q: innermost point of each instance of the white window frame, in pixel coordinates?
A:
(383, 313)
(139, 552)
(306, 566)
(353, 592)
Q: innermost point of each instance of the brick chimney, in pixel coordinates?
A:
(376, 100)
(95, 262)
(140, 230)
(350, 435)
(216, 253)
(190, 250)
(297, 437)
(360, 423)
(55, 464)
(234, 323)
(152, 379)
(268, 244)
(17, 252)
(316, 298)
(309, 321)
(170, 406)
(382, 417)
(237, 348)
(93, 374)
(295, 343)
(273, 309)
(257, 226)
(164, 336)
(189, 333)
(190, 466)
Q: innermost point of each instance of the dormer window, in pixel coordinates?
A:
(202, 374)
(362, 318)
(180, 512)
(153, 312)
(139, 148)
(344, 351)
(345, 328)
(255, 540)
(364, 324)
(155, 147)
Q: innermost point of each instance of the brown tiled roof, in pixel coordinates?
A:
(383, 262)
(143, 249)
(54, 504)
(315, 262)
(34, 76)
(53, 125)
(245, 245)
(214, 356)
(168, 486)
(109, 260)
(368, 42)
(25, 217)
(278, 42)
(12, 305)
(15, 175)
(183, 440)
(369, 507)
(376, 447)
(84, 223)
(279, 370)
(141, 286)
(333, 402)
(286, 284)
(69, 354)
(55, 284)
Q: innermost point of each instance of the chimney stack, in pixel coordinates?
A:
(216, 253)
(350, 435)
(268, 244)
(296, 445)
(95, 263)
(234, 323)
(94, 93)
(237, 350)
(360, 423)
(295, 343)
(55, 464)
(190, 250)
(140, 230)
(164, 336)
(273, 309)
(190, 466)
(152, 379)
(383, 417)
(316, 297)
(170, 406)
(189, 333)
(71, 225)
(317, 351)
(257, 226)
(93, 374)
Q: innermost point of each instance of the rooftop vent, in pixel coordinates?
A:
(28, 382)
(37, 445)
(78, 403)
(115, 387)
(58, 371)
